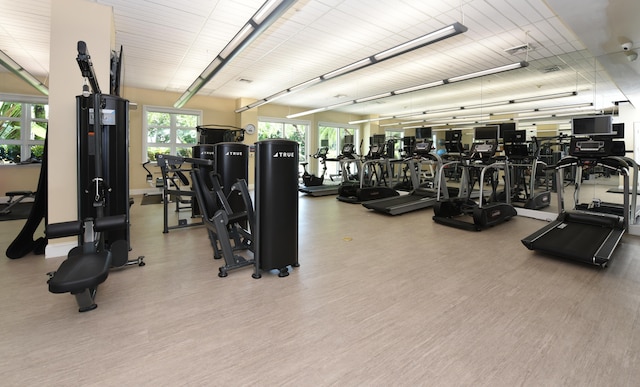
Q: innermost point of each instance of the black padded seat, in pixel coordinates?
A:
(19, 193)
(80, 272)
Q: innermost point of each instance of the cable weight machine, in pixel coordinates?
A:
(102, 227)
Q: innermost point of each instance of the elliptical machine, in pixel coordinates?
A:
(483, 213)
(309, 179)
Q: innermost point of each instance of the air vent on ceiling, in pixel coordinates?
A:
(551, 69)
(519, 49)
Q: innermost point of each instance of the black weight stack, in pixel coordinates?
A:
(276, 192)
(232, 163)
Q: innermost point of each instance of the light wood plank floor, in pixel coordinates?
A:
(377, 301)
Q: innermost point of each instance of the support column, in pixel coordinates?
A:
(71, 21)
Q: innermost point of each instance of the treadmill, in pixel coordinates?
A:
(420, 197)
(581, 235)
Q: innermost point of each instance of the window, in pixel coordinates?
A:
(169, 131)
(287, 129)
(23, 128)
(335, 136)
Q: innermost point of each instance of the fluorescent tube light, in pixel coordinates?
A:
(347, 69)
(482, 73)
(419, 87)
(304, 85)
(271, 10)
(432, 37)
(236, 41)
(18, 70)
(435, 36)
(266, 9)
(545, 97)
(306, 113)
(371, 98)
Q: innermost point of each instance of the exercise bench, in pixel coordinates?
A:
(88, 264)
(11, 203)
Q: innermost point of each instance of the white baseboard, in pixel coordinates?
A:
(540, 215)
(60, 249)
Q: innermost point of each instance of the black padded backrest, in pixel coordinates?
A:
(206, 202)
(219, 192)
(182, 177)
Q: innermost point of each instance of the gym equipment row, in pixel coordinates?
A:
(267, 231)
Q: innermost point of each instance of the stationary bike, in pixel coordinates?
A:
(310, 180)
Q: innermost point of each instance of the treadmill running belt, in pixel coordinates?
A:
(402, 199)
(572, 240)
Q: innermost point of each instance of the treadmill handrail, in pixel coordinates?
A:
(440, 173)
(497, 165)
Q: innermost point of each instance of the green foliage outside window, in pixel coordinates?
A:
(23, 128)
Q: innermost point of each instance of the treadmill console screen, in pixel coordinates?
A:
(588, 148)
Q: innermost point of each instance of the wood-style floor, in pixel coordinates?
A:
(377, 301)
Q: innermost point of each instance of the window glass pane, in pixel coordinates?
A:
(186, 121)
(159, 119)
(38, 131)
(10, 153)
(184, 152)
(269, 130)
(296, 132)
(40, 111)
(186, 136)
(18, 135)
(10, 130)
(10, 109)
(159, 135)
(36, 152)
(153, 150)
(329, 136)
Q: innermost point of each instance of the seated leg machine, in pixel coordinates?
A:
(88, 264)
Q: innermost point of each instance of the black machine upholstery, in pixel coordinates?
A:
(88, 264)
(81, 271)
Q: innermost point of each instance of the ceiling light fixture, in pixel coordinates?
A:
(551, 111)
(270, 11)
(347, 69)
(435, 36)
(18, 70)
(432, 37)
(495, 70)
(419, 87)
(492, 71)
(469, 107)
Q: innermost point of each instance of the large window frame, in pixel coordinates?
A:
(334, 133)
(172, 145)
(33, 130)
(272, 127)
